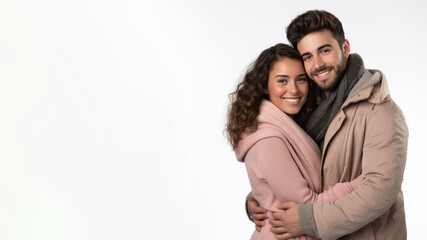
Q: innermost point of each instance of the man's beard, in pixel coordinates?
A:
(339, 70)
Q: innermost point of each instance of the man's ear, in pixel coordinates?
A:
(346, 48)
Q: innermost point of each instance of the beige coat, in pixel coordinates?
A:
(369, 135)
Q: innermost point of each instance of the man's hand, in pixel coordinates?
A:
(286, 224)
(259, 214)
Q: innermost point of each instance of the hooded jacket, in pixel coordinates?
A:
(368, 136)
(283, 164)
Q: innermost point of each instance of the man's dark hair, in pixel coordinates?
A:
(313, 21)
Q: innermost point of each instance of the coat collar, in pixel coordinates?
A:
(372, 87)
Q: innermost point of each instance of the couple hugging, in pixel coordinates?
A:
(323, 143)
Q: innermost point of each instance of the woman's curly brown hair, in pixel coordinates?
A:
(246, 100)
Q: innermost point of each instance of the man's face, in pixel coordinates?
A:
(324, 59)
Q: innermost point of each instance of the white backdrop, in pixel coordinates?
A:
(111, 112)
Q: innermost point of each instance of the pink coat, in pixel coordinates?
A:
(283, 164)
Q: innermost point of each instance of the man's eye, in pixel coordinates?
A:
(325, 50)
(306, 58)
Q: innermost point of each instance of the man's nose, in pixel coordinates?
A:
(318, 62)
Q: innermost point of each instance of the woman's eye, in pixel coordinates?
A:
(282, 81)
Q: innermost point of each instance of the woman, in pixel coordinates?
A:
(264, 118)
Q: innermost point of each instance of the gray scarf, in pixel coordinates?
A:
(320, 119)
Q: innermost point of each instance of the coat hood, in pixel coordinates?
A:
(272, 122)
(372, 86)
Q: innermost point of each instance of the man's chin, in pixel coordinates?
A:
(328, 85)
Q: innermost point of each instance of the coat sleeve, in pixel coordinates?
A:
(270, 160)
(383, 164)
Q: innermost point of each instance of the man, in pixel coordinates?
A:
(360, 131)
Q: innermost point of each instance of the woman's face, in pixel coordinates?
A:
(288, 86)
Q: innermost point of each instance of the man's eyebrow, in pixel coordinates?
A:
(305, 54)
(323, 46)
(319, 48)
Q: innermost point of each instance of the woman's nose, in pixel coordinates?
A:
(292, 87)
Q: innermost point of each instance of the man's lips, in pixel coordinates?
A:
(322, 74)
